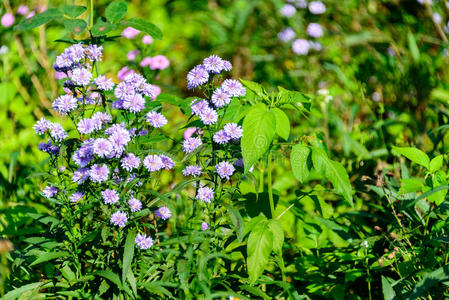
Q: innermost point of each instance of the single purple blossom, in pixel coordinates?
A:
(224, 169)
(57, 132)
(104, 83)
(163, 212)
(153, 163)
(147, 39)
(99, 173)
(143, 241)
(288, 10)
(50, 191)
(110, 196)
(7, 20)
(192, 170)
(81, 76)
(204, 226)
(208, 116)
(315, 30)
(167, 162)
(233, 130)
(233, 87)
(205, 194)
(213, 64)
(132, 55)
(134, 204)
(42, 126)
(94, 52)
(198, 107)
(119, 219)
(220, 98)
(317, 7)
(221, 137)
(286, 35)
(190, 144)
(76, 196)
(197, 76)
(80, 175)
(300, 47)
(130, 32)
(130, 162)
(134, 102)
(157, 120)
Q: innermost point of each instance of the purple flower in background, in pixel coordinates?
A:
(65, 104)
(301, 3)
(288, 10)
(147, 39)
(300, 47)
(157, 120)
(145, 61)
(76, 196)
(156, 91)
(315, 46)
(94, 52)
(57, 132)
(134, 102)
(123, 89)
(159, 62)
(110, 196)
(208, 116)
(227, 66)
(190, 144)
(119, 218)
(213, 64)
(81, 76)
(163, 212)
(205, 194)
(49, 148)
(197, 76)
(132, 55)
(224, 169)
(233, 87)
(102, 147)
(317, 7)
(199, 106)
(22, 10)
(104, 83)
(221, 137)
(50, 191)
(220, 98)
(286, 35)
(204, 226)
(233, 130)
(167, 162)
(123, 72)
(134, 204)
(153, 163)
(42, 126)
(143, 242)
(315, 30)
(130, 162)
(191, 130)
(99, 173)
(7, 20)
(80, 175)
(130, 32)
(104, 118)
(192, 170)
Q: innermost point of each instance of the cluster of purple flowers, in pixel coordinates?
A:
(314, 30)
(100, 158)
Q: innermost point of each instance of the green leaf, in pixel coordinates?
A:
(75, 26)
(278, 235)
(293, 97)
(49, 256)
(413, 47)
(334, 172)
(436, 163)
(299, 159)
(254, 87)
(438, 179)
(145, 26)
(73, 10)
(20, 291)
(282, 123)
(101, 28)
(258, 132)
(429, 280)
(128, 253)
(237, 221)
(260, 244)
(387, 289)
(108, 274)
(38, 20)
(116, 11)
(413, 154)
(411, 185)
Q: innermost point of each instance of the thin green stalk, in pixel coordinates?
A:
(91, 22)
(270, 187)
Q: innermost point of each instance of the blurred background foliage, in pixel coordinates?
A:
(381, 79)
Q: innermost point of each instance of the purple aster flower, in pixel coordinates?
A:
(153, 163)
(49, 148)
(204, 226)
(76, 196)
(317, 7)
(199, 106)
(103, 83)
(197, 76)
(99, 173)
(220, 98)
(143, 242)
(57, 132)
(190, 144)
(315, 46)
(224, 169)
(42, 126)
(50, 191)
(132, 55)
(102, 147)
(221, 137)
(315, 30)
(134, 204)
(76, 52)
(150, 90)
(119, 218)
(92, 98)
(86, 126)
(233, 130)
(156, 119)
(130, 162)
(22, 10)
(81, 76)
(301, 3)
(286, 35)
(192, 170)
(123, 89)
(213, 64)
(288, 10)
(135, 80)
(110, 196)
(7, 20)
(103, 117)
(94, 52)
(227, 66)
(300, 47)
(85, 154)
(65, 104)
(167, 162)
(159, 62)
(119, 137)
(134, 102)
(80, 175)
(163, 213)
(130, 32)
(205, 194)
(147, 39)
(233, 88)
(208, 116)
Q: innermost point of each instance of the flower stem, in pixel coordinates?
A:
(270, 187)
(91, 21)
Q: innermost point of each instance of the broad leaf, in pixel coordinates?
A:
(282, 123)
(299, 159)
(128, 253)
(415, 155)
(73, 11)
(101, 28)
(258, 132)
(388, 291)
(39, 19)
(260, 244)
(49, 256)
(254, 87)
(116, 11)
(278, 235)
(145, 26)
(436, 163)
(75, 26)
(20, 291)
